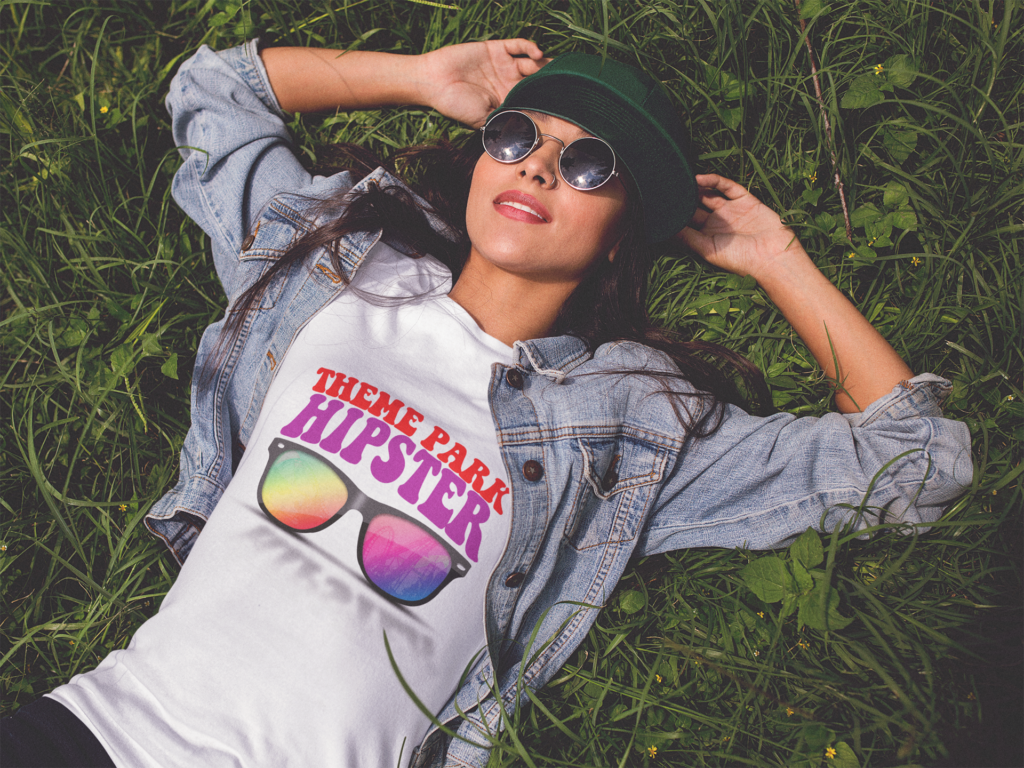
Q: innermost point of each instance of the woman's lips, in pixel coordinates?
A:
(521, 207)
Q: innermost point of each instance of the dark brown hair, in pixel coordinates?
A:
(609, 304)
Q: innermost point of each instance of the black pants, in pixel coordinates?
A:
(44, 734)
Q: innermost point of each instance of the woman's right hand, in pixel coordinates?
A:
(466, 82)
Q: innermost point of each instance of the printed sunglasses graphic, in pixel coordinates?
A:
(401, 558)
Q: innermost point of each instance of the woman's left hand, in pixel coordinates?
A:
(735, 231)
(466, 82)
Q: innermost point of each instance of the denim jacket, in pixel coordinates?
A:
(611, 472)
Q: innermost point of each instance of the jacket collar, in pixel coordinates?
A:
(554, 356)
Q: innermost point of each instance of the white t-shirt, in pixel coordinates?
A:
(368, 502)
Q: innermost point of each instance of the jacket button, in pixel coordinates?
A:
(515, 579)
(247, 243)
(533, 471)
(514, 378)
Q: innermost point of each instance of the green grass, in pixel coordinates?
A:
(106, 288)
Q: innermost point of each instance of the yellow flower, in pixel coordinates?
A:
(971, 696)
(812, 177)
(123, 507)
(916, 261)
(804, 644)
(761, 614)
(652, 752)
(657, 678)
(879, 69)
(789, 711)
(830, 753)
(104, 110)
(850, 255)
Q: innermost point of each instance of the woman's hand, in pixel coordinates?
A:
(737, 232)
(466, 82)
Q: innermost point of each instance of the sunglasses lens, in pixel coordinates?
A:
(587, 163)
(302, 492)
(403, 559)
(509, 137)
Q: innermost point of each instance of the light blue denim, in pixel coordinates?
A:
(757, 482)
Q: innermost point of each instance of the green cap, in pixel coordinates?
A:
(627, 108)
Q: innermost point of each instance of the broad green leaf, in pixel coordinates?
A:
(898, 141)
(117, 310)
(804, 582)
(768, 578)
(895, 195)
(863, 93)
(825, 221)
(170, 366)
(731, 117)
(904, 219)
(151, 344)
(865, 214)
(820, 615)
(811, 196)
(900, 70)
(122, 359)
(632, 601)
(845, 757)
(720, 307)
(810, 8)
(807, 549)
(878, 229)
(73, 334)
(817, 736)
(730, 86)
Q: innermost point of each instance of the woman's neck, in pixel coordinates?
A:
(507, 306)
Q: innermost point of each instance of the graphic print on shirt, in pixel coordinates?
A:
(404, 559)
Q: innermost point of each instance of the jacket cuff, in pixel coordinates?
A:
(919, 397)
(245, 60)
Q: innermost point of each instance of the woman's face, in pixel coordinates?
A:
(524, 219)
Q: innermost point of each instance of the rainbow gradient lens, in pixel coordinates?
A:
(302, 492)
(402, 559)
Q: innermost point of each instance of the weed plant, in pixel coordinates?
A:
(107, 287)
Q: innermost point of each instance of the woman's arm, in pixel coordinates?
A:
(738, 233)
(464, 82)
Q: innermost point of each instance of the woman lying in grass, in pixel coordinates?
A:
(501, 418)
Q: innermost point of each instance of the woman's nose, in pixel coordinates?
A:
(542, 163)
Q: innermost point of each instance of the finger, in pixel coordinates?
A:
(696, 241)
(712, 200)
(727, 187)
(529, 67)
(700, 216)
(519, 46)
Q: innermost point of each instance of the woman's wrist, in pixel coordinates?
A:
(322, 79)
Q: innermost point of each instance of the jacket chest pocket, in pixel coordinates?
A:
(620, 476)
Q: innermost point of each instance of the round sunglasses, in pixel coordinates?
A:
(584, 164)
(401, 558)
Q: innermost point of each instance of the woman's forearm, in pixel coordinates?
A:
(834, 330)
(319, 79)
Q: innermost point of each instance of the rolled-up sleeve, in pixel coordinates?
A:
(758, 482)
(236, 148)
